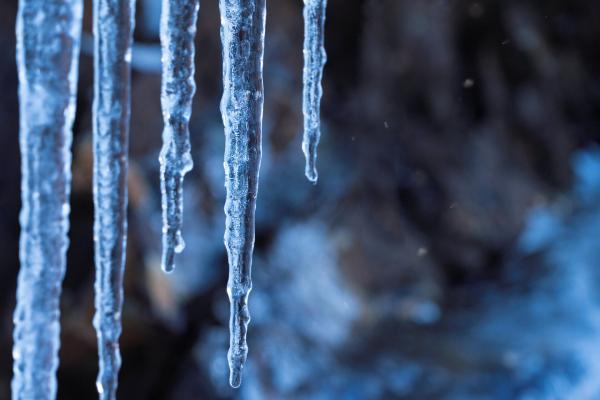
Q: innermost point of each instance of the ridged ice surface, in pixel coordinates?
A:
(242, 35)
(314, 61)
(113, 26)
(177, 31)
(48, 40)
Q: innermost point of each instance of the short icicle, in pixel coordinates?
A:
(113, 27)
(314, 62)
(242, 36)
(48, 42)
(177, 31)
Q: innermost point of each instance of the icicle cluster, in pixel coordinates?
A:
(48, 40)
(177, 31)
(49, 33)
(113, 28)
(314, 62)
(242, 35)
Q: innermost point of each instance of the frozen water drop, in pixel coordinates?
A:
(180, 246)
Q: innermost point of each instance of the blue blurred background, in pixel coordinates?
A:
(451, 249)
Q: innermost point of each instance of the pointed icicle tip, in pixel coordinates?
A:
(171, 246)
(236, 365)
(235, 378)
(311, 174)
(310, 154)
(168, 260)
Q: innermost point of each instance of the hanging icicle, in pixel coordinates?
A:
(48, 40)
(113, 27)
(242, 35)
(49, 34)
(314, 62)
(177, 31)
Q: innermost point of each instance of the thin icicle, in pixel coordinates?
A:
(242, 35)
(48, 41)
(113, 27)
(177, 31)
(314, 62)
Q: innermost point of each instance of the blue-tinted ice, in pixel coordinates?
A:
(314, 62)
(242, 35)
(113, 27)
(177, 31)
(48, 41)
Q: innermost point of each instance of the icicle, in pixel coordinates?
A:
(48, 41)
(242, 35)
(113, 27)
(177, 31)
(314, 61)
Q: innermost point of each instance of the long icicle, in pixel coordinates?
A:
(113, 28)
(177, 31)
(242, 36)
(48, 41)
(314, 62)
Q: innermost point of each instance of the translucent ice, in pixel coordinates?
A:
(113, 27)
(314, 61)
(177, 31)
(48, 41)
(242, 35)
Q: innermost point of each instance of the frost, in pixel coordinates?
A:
(113, 27)
(242, 35)
(177, 31)
(314, 62)
(48, 42)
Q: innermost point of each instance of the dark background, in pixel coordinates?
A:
(450, 250)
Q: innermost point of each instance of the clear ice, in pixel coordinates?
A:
(113, 27)
(48, 42)
(177, 31)
(242, 36)
(314, 62)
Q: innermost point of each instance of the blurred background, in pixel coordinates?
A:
(451, 249)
